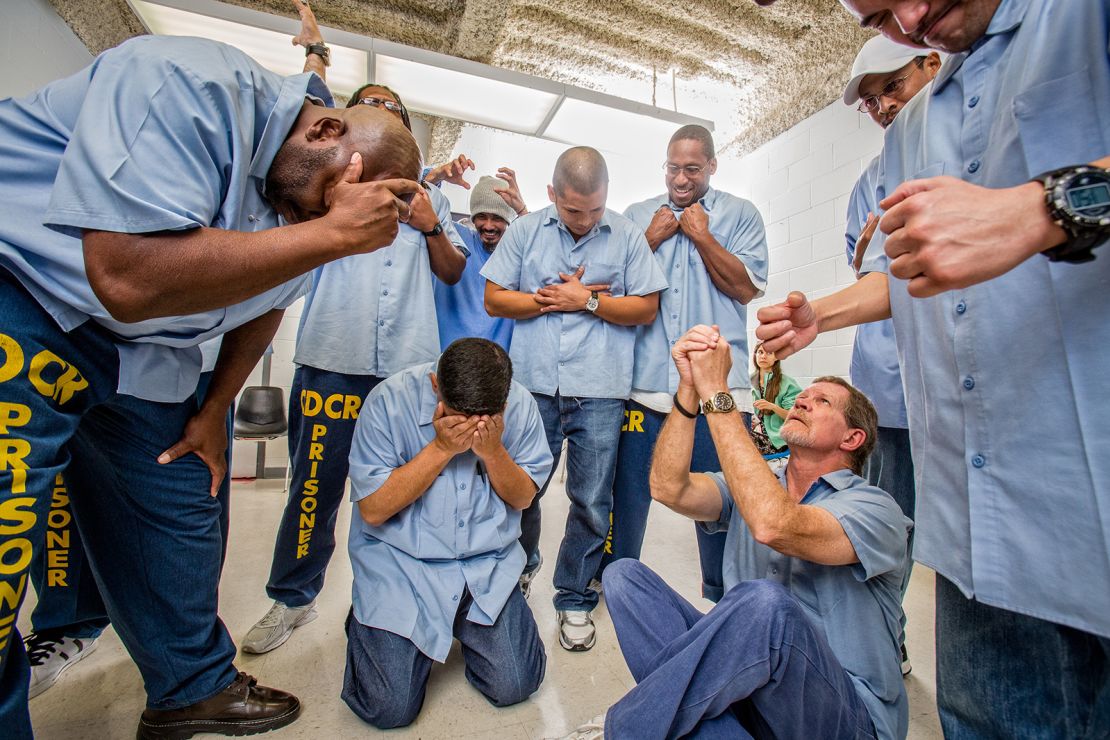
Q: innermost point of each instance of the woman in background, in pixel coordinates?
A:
(773, 394)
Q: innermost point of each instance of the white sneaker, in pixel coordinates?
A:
(576, 630)
(275, 628)
(596, 587)
(50, 657)
(526, 579)
(592, 730)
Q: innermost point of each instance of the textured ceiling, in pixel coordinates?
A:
(754, 71)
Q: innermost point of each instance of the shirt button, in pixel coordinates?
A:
(461, 524)
(462, 486)
(969, 382)
(674, 316)
(974, 166)
(961, 307)
(973, 101)
(678, 264)
(978, 461)
(676, 290)
(381, 322)
(389, 263)
(385, 292)
(252, 218)
(455, 597)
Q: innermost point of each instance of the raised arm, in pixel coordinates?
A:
(310, 34)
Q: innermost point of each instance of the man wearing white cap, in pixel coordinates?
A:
(495, 202)
(885, 76)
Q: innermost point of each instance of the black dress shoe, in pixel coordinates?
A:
(243, 708)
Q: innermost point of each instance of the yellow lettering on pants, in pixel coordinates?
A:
(634, 421)
(315, 451)
(16, 516)
(311, 403)
(13, 415)
(68, 382)
(22, 549)
(318, 430)
(13, 358)
(12, 452)
(351, 405)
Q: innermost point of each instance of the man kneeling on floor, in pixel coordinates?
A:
(805, 641)
(444, 459)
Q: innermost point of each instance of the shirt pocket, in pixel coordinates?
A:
(1043, 112)
(433, 504)
(605, 274)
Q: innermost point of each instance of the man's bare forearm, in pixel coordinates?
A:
(510, 304)
(629, 310)
(446, 261)
(726, 271)
(240, 352)
(510, 481)
(864, 301)
(146, 276)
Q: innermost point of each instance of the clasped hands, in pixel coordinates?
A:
(694, 222)
(703, 359)
(456, 433)
(569, 295)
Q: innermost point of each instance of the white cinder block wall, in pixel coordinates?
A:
(799, 181)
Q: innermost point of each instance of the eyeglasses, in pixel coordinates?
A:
(872, 103)
(390, 105)
(689, 170)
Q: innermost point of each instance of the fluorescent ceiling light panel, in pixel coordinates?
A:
(271, 49)
(580, 122)
(453, 94)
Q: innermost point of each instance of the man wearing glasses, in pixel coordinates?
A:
(713, 250)
(885, 76)
(364, 320)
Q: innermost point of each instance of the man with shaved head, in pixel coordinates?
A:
(712, 247)
(578, 279)
(140, 215)
(995, 267)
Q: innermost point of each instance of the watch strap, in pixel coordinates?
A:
(436, 230)
(321, 50)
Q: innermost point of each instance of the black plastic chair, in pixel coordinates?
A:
(260, 414)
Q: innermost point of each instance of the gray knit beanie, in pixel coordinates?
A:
(484, 198)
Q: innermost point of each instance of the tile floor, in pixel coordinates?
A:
(103, 696)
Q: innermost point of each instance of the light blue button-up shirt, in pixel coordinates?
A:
(691, 297)
(574, 352)
(460, 308)
(859, 607)
(874, 355)
(158, 134)
(1006, 380)
(410, 573)
(375, 314)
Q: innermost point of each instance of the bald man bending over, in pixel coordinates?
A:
(138, 205)
(578, 278)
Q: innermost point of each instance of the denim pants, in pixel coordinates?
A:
(323, 409)
(387, 675)
(151, 531)
(591, 427)
(755, 665)
(632, 493)
(1003, 674)
(69, 603)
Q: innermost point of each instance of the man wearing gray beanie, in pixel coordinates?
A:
(494, 203)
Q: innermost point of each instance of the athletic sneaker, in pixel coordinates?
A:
(526, 579)
(592, 730)
(576, 630)
(51, 656)
(275, 628)
(906, 667)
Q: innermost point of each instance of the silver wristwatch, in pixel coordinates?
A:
(592, 302)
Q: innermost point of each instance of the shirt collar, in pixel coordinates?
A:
(838, 480)
(552, 217)
(428, 399)
(1008, 16)
(283, 116)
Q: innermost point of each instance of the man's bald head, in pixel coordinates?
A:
(581, 169)
(317, 151)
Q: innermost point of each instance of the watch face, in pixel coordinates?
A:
(1085, 197)
(723, 401)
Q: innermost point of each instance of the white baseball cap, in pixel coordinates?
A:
(878, 56)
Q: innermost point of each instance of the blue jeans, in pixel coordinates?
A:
(1003, 674)
(151, 531)
(755, 665)
(632, 493)
(69, 603)
(323, 409)
(591, 427)
(387, 675)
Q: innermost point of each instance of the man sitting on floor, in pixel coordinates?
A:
(444, 459)
(805, 641)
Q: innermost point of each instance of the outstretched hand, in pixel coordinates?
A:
(451, 171)
(310, 32)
